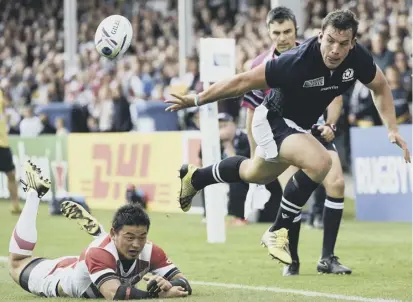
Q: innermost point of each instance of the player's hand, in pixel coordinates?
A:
(180, 102)
(352, 119)
(174, 292)
(156, 284)
(397, 139)
(327, 133)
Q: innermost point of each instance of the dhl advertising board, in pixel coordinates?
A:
(102, 165)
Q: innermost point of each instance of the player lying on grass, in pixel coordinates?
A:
(109, 267)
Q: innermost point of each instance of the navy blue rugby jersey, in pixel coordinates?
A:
(303, 86)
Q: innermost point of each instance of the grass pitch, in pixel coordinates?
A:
(380, 255)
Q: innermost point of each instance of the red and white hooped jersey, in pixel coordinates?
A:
(82, 276)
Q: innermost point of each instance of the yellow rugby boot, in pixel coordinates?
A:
(277, 244)
(187, 190)
(87, 222)
(35, 180)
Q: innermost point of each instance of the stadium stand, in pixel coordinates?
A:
(95, 96)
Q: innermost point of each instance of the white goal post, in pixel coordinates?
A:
(217, 62)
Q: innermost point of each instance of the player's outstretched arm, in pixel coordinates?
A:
(114, 290)
(232, 87)
(383, 100)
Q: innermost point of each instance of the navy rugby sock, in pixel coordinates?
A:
(226, 170)
(296, 193)
(333, 211)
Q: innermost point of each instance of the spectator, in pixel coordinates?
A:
(399, 95)
(362, 112)
(31, 125)
(47, 128)
(136, 195)
(122, 120)
(92, 124)
(32, 54)
(382, 56)
(60, 127)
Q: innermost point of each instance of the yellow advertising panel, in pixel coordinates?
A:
(102, 165)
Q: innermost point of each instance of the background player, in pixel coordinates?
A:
(282, 28)
(108, 268)
(6, 158)
(305, 79)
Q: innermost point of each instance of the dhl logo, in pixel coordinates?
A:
(110, 162)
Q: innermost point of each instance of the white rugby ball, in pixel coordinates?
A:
(113, 36)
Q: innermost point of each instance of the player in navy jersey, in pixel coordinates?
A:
(282, 28)
(305, 80)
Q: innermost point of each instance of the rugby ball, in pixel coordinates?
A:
(113, 36)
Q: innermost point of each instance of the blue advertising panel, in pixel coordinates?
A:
(383, 181)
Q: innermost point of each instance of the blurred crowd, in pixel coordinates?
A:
(385, 28)
(32, 61)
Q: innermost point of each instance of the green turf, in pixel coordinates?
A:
(379, 254)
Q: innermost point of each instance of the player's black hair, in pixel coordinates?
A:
(342, 19)
(280, 14)
(130, 214)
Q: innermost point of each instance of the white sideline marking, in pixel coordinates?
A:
(291, 291)
(277, 290)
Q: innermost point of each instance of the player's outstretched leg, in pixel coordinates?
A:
(293, 233)
(333, 212)
(24, 237)
(194, 179)
(287, 241)
(229, 170)
(87, 222)
(314, 164)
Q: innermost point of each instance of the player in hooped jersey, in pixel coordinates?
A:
(281, 24)
(304, 81)
(109, 267)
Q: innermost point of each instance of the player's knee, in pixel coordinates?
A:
(13, 267)
(325, 164)
(251, 176)
(320, 166)
(336, 186)
(249, 173)
(13, 261)
(254, 176)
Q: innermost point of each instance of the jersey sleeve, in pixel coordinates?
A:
(365, 65)
(101, 265)
(161, 265)
(252, 99)
(277, 71)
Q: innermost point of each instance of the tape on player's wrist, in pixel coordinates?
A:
(197, 100)
(332, 127)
